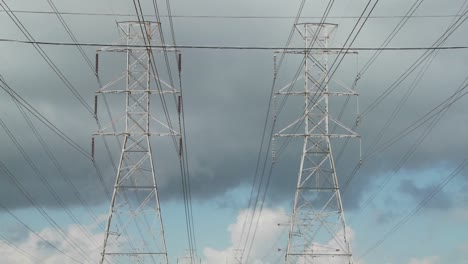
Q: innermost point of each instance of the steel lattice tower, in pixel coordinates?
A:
(134, 231)
(318, 231)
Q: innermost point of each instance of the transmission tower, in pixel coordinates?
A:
(318, 231)
(134, 231)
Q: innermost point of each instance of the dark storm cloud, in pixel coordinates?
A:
(385, 217)
(225, 96)
(441, 201)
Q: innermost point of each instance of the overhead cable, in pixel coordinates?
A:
(216, 47)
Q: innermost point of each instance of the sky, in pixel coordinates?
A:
(392, 210)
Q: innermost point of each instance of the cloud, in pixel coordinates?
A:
(269, 243)
(225, 98)
(464, 249)
(426, 260)
(267, 236)
(441, 201)
(64, 253)
(460, 214)
(16, 233)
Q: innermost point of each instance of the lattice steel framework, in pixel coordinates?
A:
(134, 231)
(318, 232)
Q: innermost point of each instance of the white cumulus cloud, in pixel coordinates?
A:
(269, 238)
(267, 233)
(63, 253)
(426, 260)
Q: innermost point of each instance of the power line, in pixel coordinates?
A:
(355, 36)
(7, 88)
(409, 14)
(435, 118)
(66, 237)
(295, 79)
(45, 56)
(218, 16)
(95, 73)
(421, 205)
(64, 79)
(457, 95)
(4, 208)
(54, 160)
(49, 61)
(185, 173)
(48, 186)
(145, 32)
(384, 46)
(214, 47)
(49, 153)
(392, 35)
(21, 251)
(428, 60)
(453, 27)
(329, 76)
(151, 72)
(259, 157)
(284, 99)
